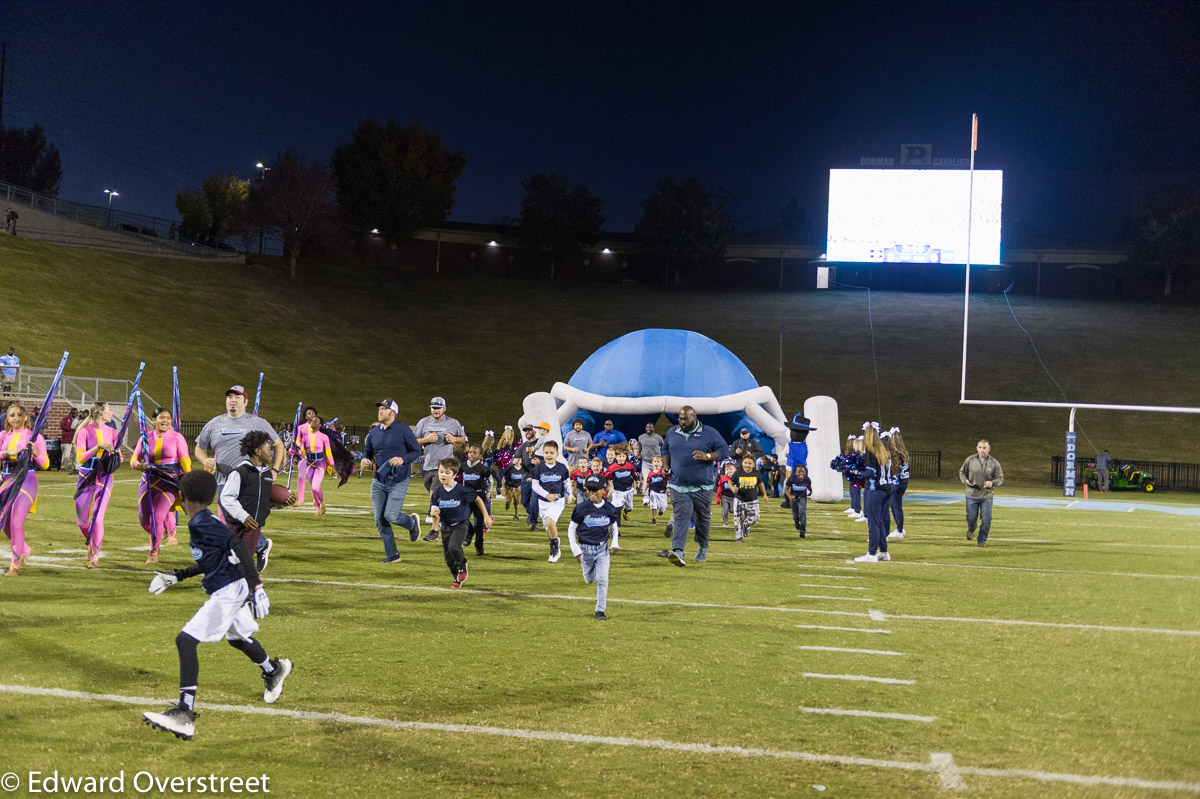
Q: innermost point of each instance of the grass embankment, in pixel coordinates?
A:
(343, 340)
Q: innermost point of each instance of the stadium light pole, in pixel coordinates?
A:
(262, 179)
(111, 194)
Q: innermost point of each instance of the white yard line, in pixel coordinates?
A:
(858, 678)
(867, 714)
(824, 585)
(937, 764)
(839, 598)
(830, 576)
(1035, 570)
(843, 629)
(852, 650)
(1025, 623)
(949, 774)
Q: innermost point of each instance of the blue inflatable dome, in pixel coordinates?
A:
(654, 362)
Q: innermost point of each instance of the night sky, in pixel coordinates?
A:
(1079, 102)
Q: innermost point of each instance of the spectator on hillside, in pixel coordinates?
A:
(10, 221)
(10, 364)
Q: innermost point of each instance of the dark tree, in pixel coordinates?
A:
(218, 209)
(559, 218)
(296, 203)
(397, 179)
(1167, 230)
(683, 227)
(29, 160)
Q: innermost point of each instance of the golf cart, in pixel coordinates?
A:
(1124, 478)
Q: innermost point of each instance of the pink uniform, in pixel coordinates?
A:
(303, 437)
(318, 461)
(12, 444)
(156, 497)
(92, 502)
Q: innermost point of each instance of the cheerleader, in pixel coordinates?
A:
(318, 461)
(895, 508)
(161, 467)
(13, 441)
(93, 441)
(878, 467)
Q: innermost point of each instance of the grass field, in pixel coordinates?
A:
(1060, 661)
(343, 340)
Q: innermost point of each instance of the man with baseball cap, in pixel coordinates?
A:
(392, 447)
(437, 433)
(529, 451)
(219, 448)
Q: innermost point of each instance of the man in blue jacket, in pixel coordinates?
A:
(392, 447)
(691, 453)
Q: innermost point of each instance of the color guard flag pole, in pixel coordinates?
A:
(258, 393)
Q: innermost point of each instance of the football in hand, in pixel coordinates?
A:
(281, 496)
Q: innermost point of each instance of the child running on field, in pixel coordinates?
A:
(246, 495)
(725, 492)
(475, 478)
(797, 489)
(551, 483)
(450, 506)
(621, 477)
(579, 477)
(512, 478)
(748, 487)
(593, 521)
(656, 489)
(235, 599)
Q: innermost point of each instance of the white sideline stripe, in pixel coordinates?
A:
(839, 587)
(858, 678)
(854, 651)
(830, 576)
(951, 777)
(839, 598)
(844, 629)
(931, 767)
(876, 615)
(867, 714)
(1046, 571)
(1059, 624)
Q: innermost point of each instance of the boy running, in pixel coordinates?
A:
(656, 490)
(725, 492)
(579, 477)
(551, 482)
(798, 489)
(621, 476)
(511, 480)
(475, 476)
(246, 495)
(450, 506)
(748, 487)
(592, 522)
(230, 580)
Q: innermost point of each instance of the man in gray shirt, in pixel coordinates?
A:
(981, 474)
(1104, 462)
(575, 443)
(437, 434)
(651, 444)
(219, 447)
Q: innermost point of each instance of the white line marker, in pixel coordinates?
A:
(854, 651)
(840, 598)
(1059, 624)
(838, 587)
(867, 714)
(876, 615)
(642, 743)
(831, 576)
(943, 763)
(858, 678)
(843, 629)
(899, 563)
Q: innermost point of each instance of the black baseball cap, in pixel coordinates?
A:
(594, 483)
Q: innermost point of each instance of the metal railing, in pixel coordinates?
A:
(1168, 476)
(146, 233)
(925, 464)
(34, 381)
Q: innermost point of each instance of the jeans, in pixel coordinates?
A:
(980, 507)
(686, 505)
(529, 502)
(875, 506)
(800, 512)
(388, 502)
(595, 570)
(895, 507)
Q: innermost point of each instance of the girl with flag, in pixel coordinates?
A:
(93, 442)
(318, 460)
(161, 455)
(18, 483)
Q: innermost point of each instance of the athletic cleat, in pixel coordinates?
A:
(433, 536)
(896, 535)
(177, 720)
(676, 557)
(868, 558)
(479, 549)
(274, 681)
(883, 556)
(625, 515)
(555, 551)
(262, 559)
(461, 577)
(600, 616)
(654, 522)
(415, 532)
(455, 583)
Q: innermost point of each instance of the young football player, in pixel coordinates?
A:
(593, 522)
(551, 483)
(450, 506)
(798, 489)
(656, 489)
(621, 476)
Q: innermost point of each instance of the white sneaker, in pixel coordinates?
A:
(273, 682)
(895, 535)
(850, 512)
(866, 558)
(862, 518)
(883, 556)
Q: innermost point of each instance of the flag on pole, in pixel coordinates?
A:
(258, 393)
(10, 489)
(109, 462)
(175, 420)
(974, 132)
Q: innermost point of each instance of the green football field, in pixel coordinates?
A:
(1059, 661)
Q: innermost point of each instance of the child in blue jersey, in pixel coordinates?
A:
(236, 598)
(621, 477)
(511, 479)
(656, 489)
(450, 506)
(593, 522)
(797, 489)
(551, 484)
(475, 476)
